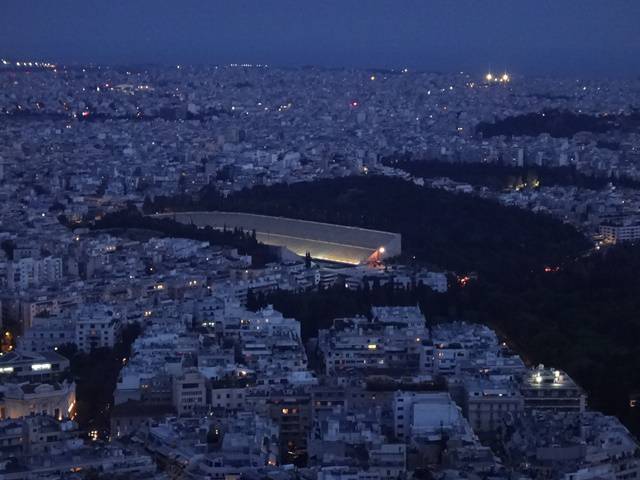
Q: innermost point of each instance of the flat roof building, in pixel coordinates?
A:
(550, 389)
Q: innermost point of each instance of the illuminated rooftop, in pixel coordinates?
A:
(497, 78)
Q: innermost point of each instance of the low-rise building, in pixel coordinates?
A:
(57, 400)
(19, 366)
(488, 401)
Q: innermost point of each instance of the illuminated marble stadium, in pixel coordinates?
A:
(324, 241)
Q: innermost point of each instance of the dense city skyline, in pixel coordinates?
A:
(223, 257)
(532, 37)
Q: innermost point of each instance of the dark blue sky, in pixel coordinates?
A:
(526, 36)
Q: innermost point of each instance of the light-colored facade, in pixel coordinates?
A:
(97, 326)
(26, 272)
(19, 366)
(424, 415)
(619, 233)
(21, 400)
(189, 392)
(228, 398)
(487, 403)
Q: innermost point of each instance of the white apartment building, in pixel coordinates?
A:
(97, 326)
(619, 233)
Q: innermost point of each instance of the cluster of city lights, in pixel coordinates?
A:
(248, 65)
(28, 64)
(491, 78)
(284, 107)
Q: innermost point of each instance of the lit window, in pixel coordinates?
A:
(36, 367)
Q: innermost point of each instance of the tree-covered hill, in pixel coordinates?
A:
(452, 231)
